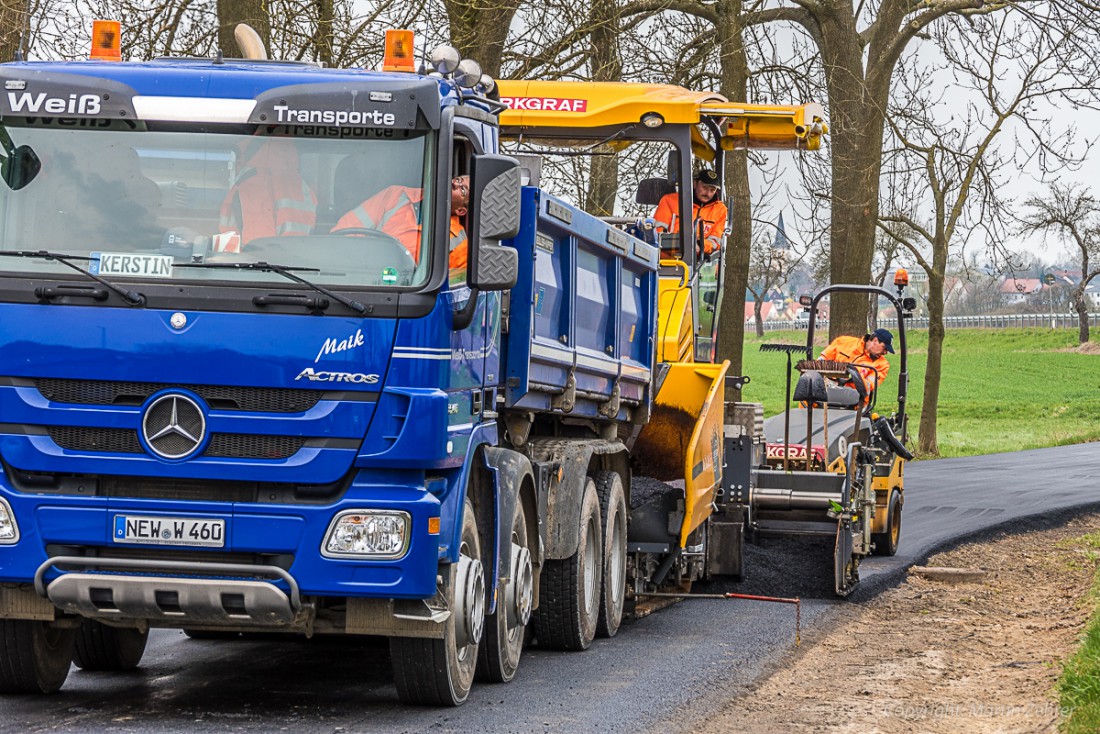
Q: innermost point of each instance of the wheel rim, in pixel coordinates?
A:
(591, 566)
(521, 589)
(895, 525)
(470, 606)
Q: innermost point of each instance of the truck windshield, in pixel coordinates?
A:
(349, 205)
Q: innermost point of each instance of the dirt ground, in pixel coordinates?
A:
(931, 656)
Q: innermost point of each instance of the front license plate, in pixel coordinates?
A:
(169, 531)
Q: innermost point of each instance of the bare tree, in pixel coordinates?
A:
(1074, 214)
(771, 266)
(13, 22)
(1003, 66)
(859, 65)
(60, 29)
(733, 69)
(232, 12)
(323, 30)
(724, 31)
(479, 29)
(605, 65)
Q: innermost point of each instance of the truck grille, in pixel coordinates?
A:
(222, 445)
(110, 440)
(175, 488)
(246, 446)
(218, 397)
(159, 488)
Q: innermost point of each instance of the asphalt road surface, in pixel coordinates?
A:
(659, 674)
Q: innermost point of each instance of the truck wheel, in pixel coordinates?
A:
(569, 588)
(609, 489)
(34, 657)
(99, 647)
(506, 628)
(435, 672)
(886, 542)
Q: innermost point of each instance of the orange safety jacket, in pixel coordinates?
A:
(853, 349)
(459, 246)
(713, 214)
(396, 211)
(269, 198)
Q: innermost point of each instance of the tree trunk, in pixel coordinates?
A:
(927, 442)
(605, 66)
(856, 108)
(757, 308)
(1079, 301)
(322, 35)
(734, 86)
(479, 29)
(232, 12)
(1082, 309)
(13, 19)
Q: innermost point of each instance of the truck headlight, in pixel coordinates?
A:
(368, 533)
(9, 529)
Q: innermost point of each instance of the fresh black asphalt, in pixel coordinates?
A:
(659, 674)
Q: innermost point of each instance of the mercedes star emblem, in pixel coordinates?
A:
(173, 426)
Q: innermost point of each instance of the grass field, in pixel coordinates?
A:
(1001, 390)
(1079, 686)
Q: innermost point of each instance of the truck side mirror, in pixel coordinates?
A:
(20, 167)
(494, 216)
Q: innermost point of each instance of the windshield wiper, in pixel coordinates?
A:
(288, 273)
(131, 297)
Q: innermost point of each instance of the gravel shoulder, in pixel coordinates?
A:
(935, 656)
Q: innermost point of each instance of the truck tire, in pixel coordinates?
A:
(99, 647)
(569, 588)
(886, 542)
(506, 628)
(440, 672)
(34, 657)
(609, 490)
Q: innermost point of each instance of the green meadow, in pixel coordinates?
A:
(1079, 685)
(1000, 390)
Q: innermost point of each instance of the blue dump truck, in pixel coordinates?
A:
(287, 348)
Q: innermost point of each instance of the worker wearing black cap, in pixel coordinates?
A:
(708, 212)
(869, 351)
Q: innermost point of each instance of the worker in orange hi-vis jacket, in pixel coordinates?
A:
(395, 210)
(268, 198)
(867, 353)
(707, 209)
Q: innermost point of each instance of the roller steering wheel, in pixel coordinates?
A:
(856, 379)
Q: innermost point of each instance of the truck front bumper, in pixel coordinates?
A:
(271, 556)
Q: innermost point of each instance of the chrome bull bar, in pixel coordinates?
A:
(136, 595)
